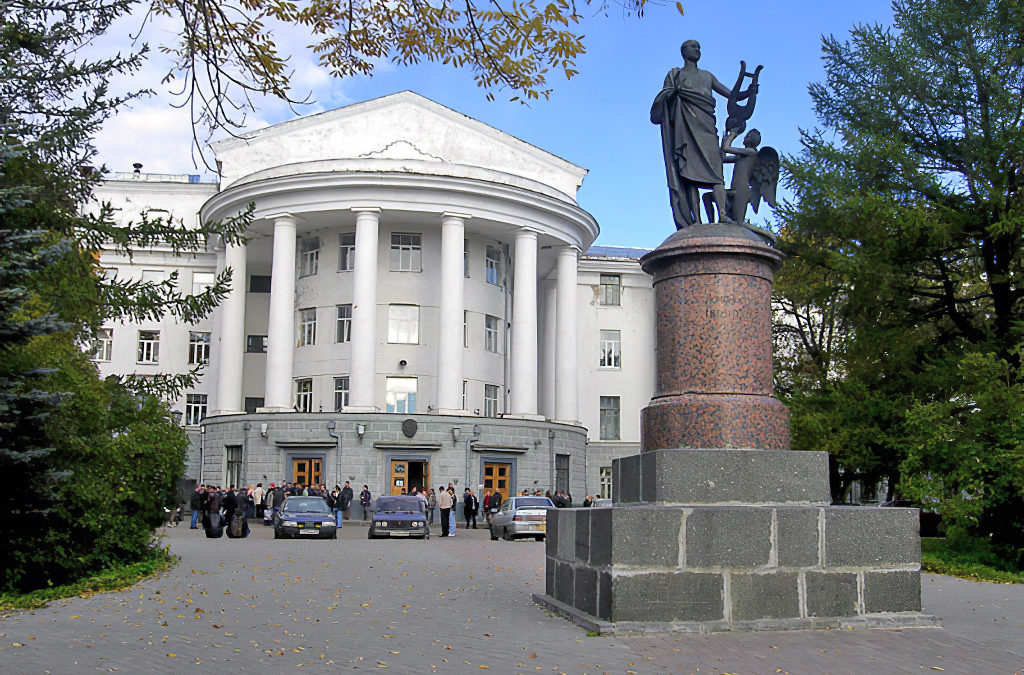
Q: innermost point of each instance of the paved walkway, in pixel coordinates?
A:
(458, 605)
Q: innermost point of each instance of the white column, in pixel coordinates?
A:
(449, 339)
(524, 326)
(231, 334)
(566, 376)
(363, 364)
(281, 324)
(546, 367)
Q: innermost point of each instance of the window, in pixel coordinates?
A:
(606, 482)
(309, 257)
(304, 395)
(252, 403)
(404, 324)
(609, 418)
(256, 344)
(259, 283)
(233, 473)
(344, 333)
(400, 395)
(562, 473)
(195, 408)
(347, 252)
(493, 266)
(406, 253)
(611, 289)
(307, 327)
(198, 347)
(491, 333)
(611, 349)
(149, 346)
(340, 393)
(152, 276)
(465, 258)
(103, 348)
(201, 281)
(465, 329)
(465, 393)
(491, 400)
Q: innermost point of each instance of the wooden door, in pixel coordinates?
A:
(399, 476)
(498, 478)
(307, 470)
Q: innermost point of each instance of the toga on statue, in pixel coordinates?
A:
(685, 109)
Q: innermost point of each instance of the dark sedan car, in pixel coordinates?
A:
(305, 517)
(398, 516)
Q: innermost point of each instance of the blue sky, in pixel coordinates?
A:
(598, 120)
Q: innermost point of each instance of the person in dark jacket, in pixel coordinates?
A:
(470, 506)
(196, 504)
(346, 500)
(365, 499)
(495, 502)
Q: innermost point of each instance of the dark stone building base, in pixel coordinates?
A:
(693, 567)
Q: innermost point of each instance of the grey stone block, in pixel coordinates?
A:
(668, 596)
(831, 594)
(551, 534)
(732, 536)
(627, 490)
(892, 592)
(717, 476)
(797, 536)
(582, 535)
(566, 533)
(549, 576)
(765, 596)
(646, 536)
(604, 596)
(585, 594)
(601, 536)
(871, 537)
(564, 582)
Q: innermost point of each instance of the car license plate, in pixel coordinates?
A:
(399, 534)
(309, 531)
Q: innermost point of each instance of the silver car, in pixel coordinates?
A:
(521, 517)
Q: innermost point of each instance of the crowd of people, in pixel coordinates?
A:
(214, 507)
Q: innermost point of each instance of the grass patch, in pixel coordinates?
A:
(113, 578)
(939, 558)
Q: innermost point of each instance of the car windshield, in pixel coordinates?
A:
(392, 505)
(533, 502)
(306, 505)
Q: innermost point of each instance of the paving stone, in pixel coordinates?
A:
(764, 596)
(831, 593)
(892, 592)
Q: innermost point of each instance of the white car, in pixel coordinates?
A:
(521, 517)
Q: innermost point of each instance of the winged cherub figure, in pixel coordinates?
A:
(755, 175)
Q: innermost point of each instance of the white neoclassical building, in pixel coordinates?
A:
(418, 302)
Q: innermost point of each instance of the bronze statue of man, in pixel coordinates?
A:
(685, 109)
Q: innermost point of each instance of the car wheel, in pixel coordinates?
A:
(505, 535)
(494, 537)
(277, 535)
(335, 535)
(369, 534)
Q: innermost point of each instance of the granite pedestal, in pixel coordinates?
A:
(717, 525)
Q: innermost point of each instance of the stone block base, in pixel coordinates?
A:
(712, 568)
(714, 421)
(722, 476)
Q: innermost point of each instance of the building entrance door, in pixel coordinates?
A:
(497, 478)
(406, 474)
(307, 470)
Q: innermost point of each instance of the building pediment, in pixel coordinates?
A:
(403, 127)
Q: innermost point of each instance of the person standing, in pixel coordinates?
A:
(346, 501)
(431, 505)
(487, 506)
(196, 504)
(445, 502)
(334, 501)
(495, 503)
(257, 497)
(451, 513)
(470, 505)
(365, 498)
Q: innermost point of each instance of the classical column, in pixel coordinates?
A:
(231, 334)
(363, 363)
(449, 342)
(546, 363)
(566, 358)
(281, 323)
(524, 326)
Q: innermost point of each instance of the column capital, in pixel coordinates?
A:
(275, 217)
(453, 214)
(527, 233)
(365, 209)
(566, 248)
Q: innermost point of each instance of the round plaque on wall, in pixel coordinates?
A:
(409, 428)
